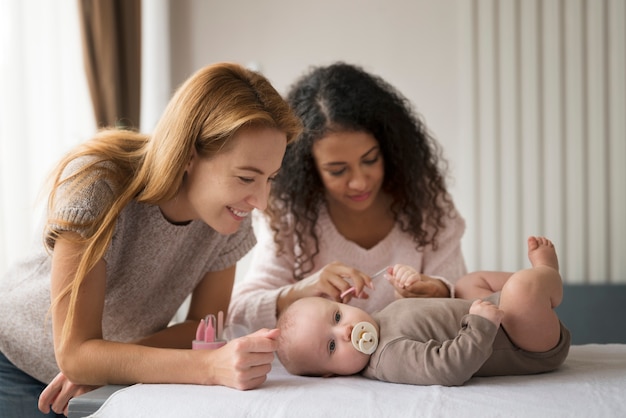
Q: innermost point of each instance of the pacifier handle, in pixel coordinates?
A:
(364, 337)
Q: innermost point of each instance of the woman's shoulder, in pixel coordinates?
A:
(87, 163)
(87, 184)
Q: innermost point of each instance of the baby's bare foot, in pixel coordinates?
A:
(541, 252)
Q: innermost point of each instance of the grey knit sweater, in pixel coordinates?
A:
(151, 266)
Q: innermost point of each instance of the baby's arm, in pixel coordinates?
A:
(427, 361)
(487, 310)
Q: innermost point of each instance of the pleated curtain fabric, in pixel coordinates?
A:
(111, 39)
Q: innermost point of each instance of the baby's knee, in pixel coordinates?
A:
(523, 282)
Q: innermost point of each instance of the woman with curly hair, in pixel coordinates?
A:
(135, 224)
(362, 189)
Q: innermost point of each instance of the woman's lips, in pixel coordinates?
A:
(360, 197)
(239, 214)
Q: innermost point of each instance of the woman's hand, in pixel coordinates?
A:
(57, 394)
(411, 284)
(331, 282)
(338, 282)
(244, 362)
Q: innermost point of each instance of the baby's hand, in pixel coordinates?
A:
(403, 276)
(487, 310)
(409, 283)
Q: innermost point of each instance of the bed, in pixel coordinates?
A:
(591, 383)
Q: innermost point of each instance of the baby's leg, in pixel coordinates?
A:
(529, 297)
(480, 284)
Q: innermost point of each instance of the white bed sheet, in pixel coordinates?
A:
(591, 383)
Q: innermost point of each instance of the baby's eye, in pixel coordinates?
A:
(337, 317)
(331, 346)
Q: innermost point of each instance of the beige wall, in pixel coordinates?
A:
(411, 43)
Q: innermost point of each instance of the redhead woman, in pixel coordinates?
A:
(135, 224)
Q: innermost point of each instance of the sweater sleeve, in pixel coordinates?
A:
(447, 261)
(80, 201)
(253, 304)
(448, 363)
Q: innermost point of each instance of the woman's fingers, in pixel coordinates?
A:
(58, 393)
(337, 282)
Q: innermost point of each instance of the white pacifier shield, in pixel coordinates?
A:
(364, 337)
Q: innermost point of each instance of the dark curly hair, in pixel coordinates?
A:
(344, 97)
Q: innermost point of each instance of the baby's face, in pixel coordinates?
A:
(322, 336)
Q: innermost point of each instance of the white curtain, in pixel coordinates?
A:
(544, 134)
(45, 109)
(156, 84)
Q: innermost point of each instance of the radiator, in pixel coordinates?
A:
(542, 140)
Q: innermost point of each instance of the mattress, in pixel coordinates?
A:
(591, 383)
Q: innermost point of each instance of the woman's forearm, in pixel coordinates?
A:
(176, 336)
(100, 362)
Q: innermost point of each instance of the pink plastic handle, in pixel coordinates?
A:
(351, 290)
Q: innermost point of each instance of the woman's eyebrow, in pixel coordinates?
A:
(333, 164)
(338, 163)
(370, 150)
(250, 168)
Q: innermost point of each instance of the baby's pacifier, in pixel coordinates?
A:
(364, 337)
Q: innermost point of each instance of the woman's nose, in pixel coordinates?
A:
(357, 181)
(259, 198)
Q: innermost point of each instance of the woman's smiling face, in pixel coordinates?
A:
(224, 189)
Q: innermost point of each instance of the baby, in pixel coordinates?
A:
(435, 341)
